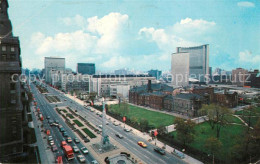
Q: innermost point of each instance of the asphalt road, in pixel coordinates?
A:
(47, 109)
(129, 141)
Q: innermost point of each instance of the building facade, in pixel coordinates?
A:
(254, 79)
(51, 65)
(227, 99)
(11, 107)
(86, 68)
(180, 69)
(239, 77)
(199, 61)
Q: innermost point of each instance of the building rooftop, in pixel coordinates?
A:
(188, 96)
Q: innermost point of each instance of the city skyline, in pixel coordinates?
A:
(140, 40)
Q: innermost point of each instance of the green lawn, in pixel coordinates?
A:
(154, 118)
(233, 119)
(255, 115)
(78, 123)
(228, 136)
(70, 116)
(89, 133)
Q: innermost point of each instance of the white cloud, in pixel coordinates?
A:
(166, 41)
(189, 27)
(248, 57)
(117, 62)
(109, 28)
(245, 4)
(63, 42)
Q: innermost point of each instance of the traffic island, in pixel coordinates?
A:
(100, 149)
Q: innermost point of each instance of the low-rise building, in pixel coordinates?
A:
(226, 98)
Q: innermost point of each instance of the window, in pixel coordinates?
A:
(3, 48)
(3, 57)
(12, 49)
(12, 57)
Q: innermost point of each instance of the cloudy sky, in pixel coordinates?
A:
(136, 34)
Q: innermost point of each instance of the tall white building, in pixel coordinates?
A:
(199, 61)
(180, 69)
(51, 65)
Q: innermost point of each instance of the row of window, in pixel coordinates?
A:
(9, 57)
(4, 48)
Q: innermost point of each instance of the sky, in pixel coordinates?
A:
(136, 34)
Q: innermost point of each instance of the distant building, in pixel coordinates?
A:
(51, 65)
(198, 61)
(206, 92)
(239, 77)
(180, 69)
(86, 68)
(119, 90)
(124, 71)
(253, 79)
(155, 73)
(101, 84)
(12, 94)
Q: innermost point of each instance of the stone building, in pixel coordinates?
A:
(187, 104)
(11, 107)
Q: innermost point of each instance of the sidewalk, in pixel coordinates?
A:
(145, 136)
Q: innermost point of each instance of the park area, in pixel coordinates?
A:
(155, 119)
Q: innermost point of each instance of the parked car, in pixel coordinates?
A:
(62, 129)
(159, 150)
(94, 162)
(81, 158)
(65, 134)
(115, 123)
(76, 140)
(84, 150)
(51, 142)
(50, 138)
(69, 139)
(48, 117)
(127, 130)
(119, 136)
(86, 140)
(75, 149)
(54, 148)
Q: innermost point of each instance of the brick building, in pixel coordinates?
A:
(206, 92)
(227, 99)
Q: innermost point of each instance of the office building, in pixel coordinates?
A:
(199, 61)
(51, 66)
(11, 107)
(180, 69)
(155, 73)
(86, 68)
(239, 77)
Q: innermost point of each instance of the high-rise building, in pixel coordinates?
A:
(199, 61)
(86, 68)
(180, 69)
(11, 107)
(53, 64)
(155, 73)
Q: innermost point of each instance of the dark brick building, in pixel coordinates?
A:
(227, 99)
(206, 92)
(254, 79)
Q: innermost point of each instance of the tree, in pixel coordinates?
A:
(185, 130)
(216, 116)
(144, 124)
(124, 108)
(213, 145)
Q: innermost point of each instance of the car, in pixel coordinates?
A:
(60, 126)
(115, 123)
(65, 99)
(65, 134)
(159, 150)
(69, 139)
(62, 129)
(75, 149)
(81, 158)
(84, 150)
(76, 140)
(126, 130)
(51, 142)
(54, 148)
(107, 123)
(48, 117)
(56, 121)
(101, 115)
(86, 140)
(50, 121)
(142, 144)
(119, 136)
(50, 138)
(63, 143)
(100, 126)
(94, 162)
